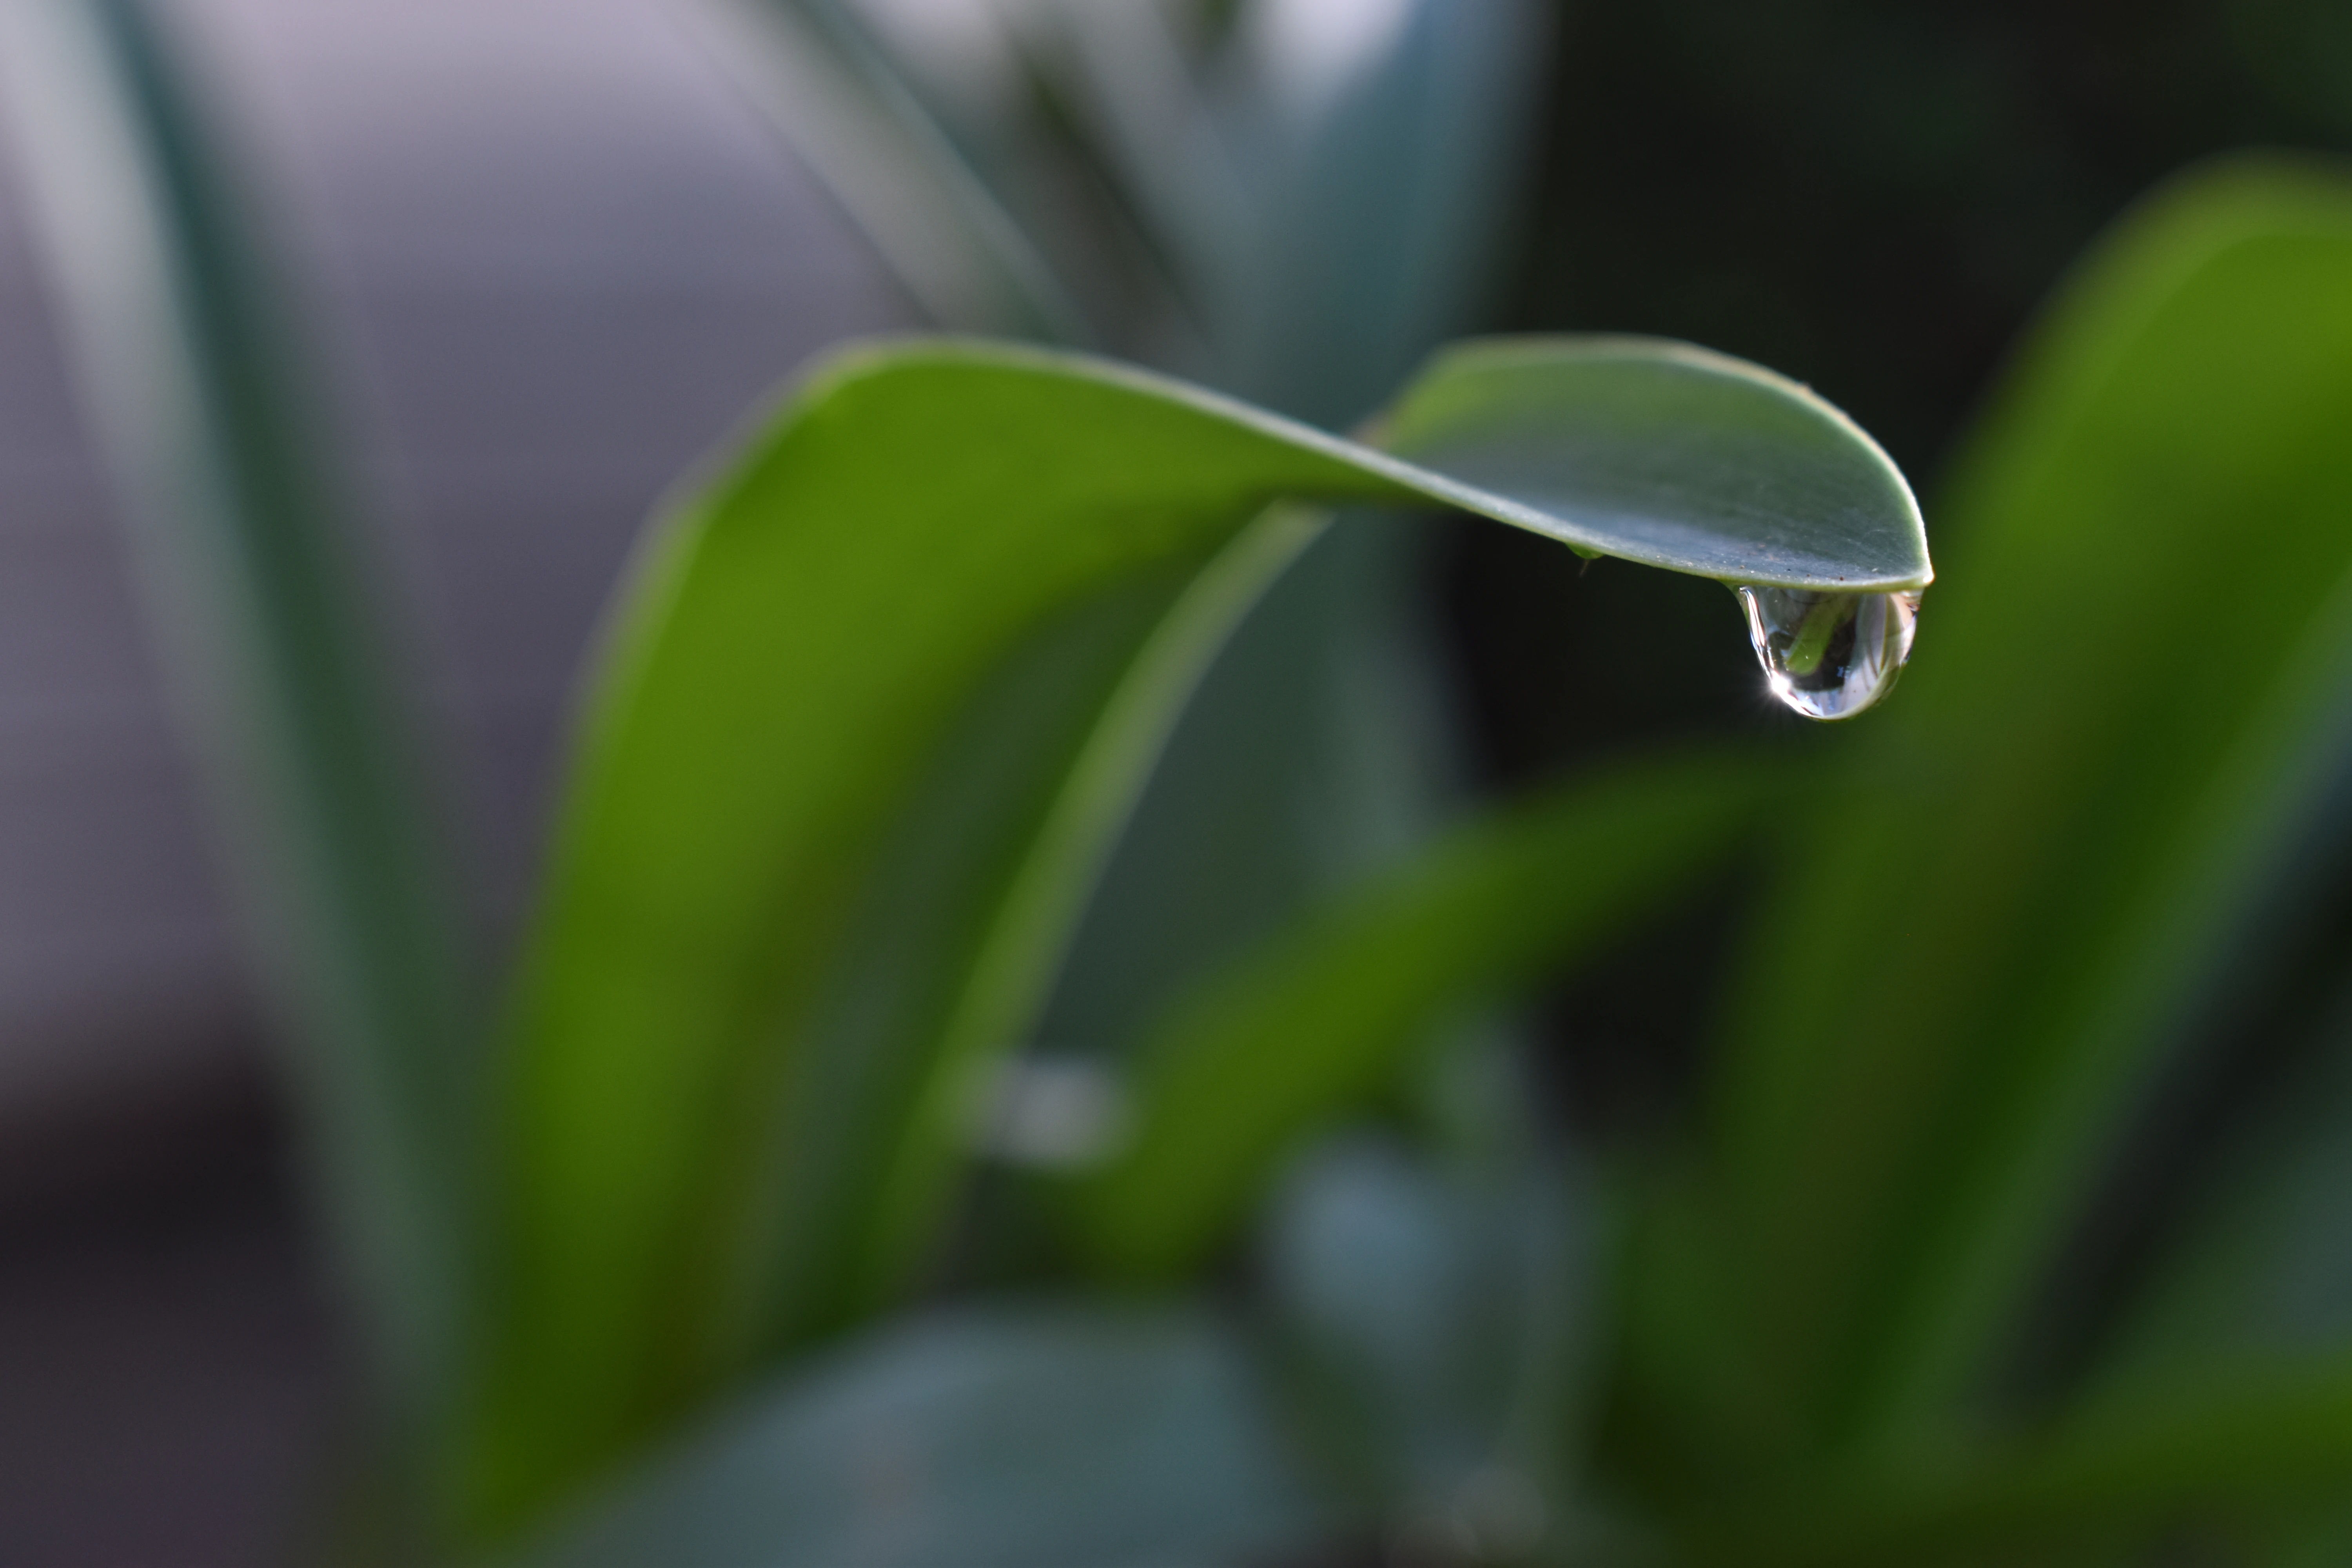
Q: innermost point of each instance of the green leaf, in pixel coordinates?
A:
(1668, 455)
(282, 651)
(1967, 982)
(1314, 1020)
(1314, 752)
(2269, 1439)
(997, 1438)
(782, 739)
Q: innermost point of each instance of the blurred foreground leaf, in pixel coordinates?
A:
(999, 1437)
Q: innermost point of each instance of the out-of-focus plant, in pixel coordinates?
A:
(1291, 200)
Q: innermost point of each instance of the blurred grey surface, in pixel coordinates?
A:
(556, 260)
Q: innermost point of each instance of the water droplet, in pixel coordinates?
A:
(1830, 656)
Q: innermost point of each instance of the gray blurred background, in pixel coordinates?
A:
(556, 257)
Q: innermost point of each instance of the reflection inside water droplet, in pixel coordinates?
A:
(1830, 656)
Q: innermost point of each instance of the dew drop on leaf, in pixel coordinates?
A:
(1830, 656)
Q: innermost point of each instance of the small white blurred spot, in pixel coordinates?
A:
(1050, 1112)
(1310, 51)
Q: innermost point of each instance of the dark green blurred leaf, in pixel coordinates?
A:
(994, 1438)
(2271, 1437)
(788, 705)
(2261, 1260)
(1969, 974)
(1312, 1022)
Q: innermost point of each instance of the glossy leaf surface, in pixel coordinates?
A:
(1668, 455)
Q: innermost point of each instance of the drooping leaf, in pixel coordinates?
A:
(1695, 471)
(791, 697)
(1966, 980)
(1667, 455)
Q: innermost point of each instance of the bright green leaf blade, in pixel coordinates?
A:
(1289, 1036)
(1030, 1438)
(281, 648)
(798, 650)
(979, 890)
(2144, 668)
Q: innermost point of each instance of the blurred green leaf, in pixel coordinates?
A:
(1315, 750)
(2259, 1260)
(283, 652)
(1313, 1021)
(1434, 1315)
(1972, 971)
(788, 704)
(996, 1438)
(2273, 1436)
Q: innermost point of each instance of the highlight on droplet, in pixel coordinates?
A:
(1828, 655)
